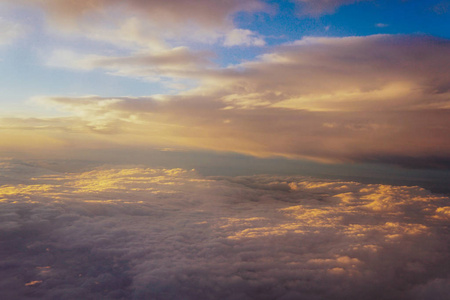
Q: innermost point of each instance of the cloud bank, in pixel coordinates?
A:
(377, 99)
(136, 233)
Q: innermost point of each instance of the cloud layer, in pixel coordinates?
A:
(135, 233)
(380, 98)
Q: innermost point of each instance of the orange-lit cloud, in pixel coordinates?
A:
(331, 99)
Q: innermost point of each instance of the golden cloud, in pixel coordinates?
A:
(329, 99)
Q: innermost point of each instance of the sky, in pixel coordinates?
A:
(226, 149)
(327, 82)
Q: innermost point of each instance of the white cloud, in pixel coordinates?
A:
(244, 37)
(136, 233)
(169, 64)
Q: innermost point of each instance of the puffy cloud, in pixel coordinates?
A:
(137, 233)
(434, 289)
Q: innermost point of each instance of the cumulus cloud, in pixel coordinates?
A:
(137, 233)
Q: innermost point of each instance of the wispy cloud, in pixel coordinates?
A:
(168, 65)
(319, 7)
(143, 22)
(442, 8)
(381, 25)
(10, 31)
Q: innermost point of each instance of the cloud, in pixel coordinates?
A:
(381, 25)
(204, 12)
(349, 73)
(151, 40)
(319, 7)
(395, 136)
(138, 233)
(364, 99)
(143, 23)
(10, 31)
(243, 37)
(441, 7)
(167, 64)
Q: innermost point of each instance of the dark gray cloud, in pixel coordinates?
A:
(136, 233)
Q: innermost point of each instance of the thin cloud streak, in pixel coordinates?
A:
(320, 7)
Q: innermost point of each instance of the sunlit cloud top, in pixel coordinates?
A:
(132, 232)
